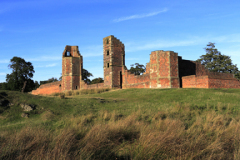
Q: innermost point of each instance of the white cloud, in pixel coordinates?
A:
(92, 54)
(140, 16)
(159, 44)
(45, 58)
(91, 50)
(4, 61)
(47, 66)
(189, 41)
(51, 65)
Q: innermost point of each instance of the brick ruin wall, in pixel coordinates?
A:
(113, 61)
(135, 81)
(203, 78)
(165, 70)
(161, 72)
(56, 87)
(49, 88)
(93, 86)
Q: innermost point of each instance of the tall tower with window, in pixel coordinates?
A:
(72, 63)
(113, 61)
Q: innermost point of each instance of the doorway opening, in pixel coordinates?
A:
(120, 79)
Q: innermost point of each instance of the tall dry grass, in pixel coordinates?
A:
(141, 135)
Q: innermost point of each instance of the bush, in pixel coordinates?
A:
(62, 96)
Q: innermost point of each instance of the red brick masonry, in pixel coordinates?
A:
(210, 81)
(165, 70)
(49, 88)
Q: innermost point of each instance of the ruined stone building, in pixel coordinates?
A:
(165, 70)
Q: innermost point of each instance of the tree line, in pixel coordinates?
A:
(22, 72)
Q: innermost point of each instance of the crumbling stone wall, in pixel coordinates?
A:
(161, 72)
(113, 61)
(194, 81)
(71, 68)
(165, 70)
(135, 81)
(93, 86)
(49, 88)
(210, 81)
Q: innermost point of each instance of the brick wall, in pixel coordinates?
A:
(94, 86)
(164, 69)
(71, 68)
(194, 81)
(114, 60)
(209, 82)
(224, 83)
(202, 78)
(135, 81)
(49, 88)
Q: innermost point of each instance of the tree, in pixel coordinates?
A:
(138, 69)
(21, 71)
(2, 86)
(60, 78)
(50, 80)
(85, 75)
(97, 80)
(36, 84)
(216, 62)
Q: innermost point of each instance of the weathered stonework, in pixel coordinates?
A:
(113, 61)
(165, 70)
(71, 68)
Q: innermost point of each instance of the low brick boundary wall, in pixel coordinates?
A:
(93, 86)
(135, 81)
(49, 88)
(195, 82)
(213, 81)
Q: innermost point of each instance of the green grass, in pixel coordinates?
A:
(123, 124)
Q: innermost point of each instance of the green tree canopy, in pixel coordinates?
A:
(85, 75)
(2, 86)
(138, 69)
(50, 80)
(97, 80)
(21, 71)
(36, 84)
(214, 61)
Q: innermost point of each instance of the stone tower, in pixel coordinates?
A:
(113, 61)
(72, 62)
(164, 69)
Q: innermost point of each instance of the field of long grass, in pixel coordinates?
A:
(125, 124)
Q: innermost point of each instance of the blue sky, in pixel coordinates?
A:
(39, 30)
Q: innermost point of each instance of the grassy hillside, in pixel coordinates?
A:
(123, 124)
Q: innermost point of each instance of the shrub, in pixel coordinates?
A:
(62, 96)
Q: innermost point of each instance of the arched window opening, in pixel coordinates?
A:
(108, 65)
(76, 87)
(107, 52)
(67, 54)
(107, 42)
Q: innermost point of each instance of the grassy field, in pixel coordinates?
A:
(123, 124)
